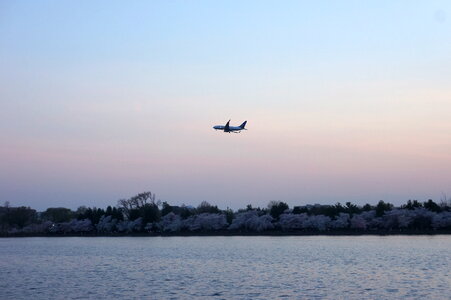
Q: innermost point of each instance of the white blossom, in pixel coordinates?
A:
(205, 221)
(442, 220)
(129, 226)
(170, 223)
(106, 224)
(250, 220)
(341, 221)
(319, 222)
(292, 221)
(358, 222)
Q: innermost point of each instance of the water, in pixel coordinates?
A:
(320, 267)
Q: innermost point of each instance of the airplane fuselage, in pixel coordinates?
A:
(231, 128)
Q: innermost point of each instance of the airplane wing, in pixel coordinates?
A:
(227, 127)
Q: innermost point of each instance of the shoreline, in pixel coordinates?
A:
(239, 233)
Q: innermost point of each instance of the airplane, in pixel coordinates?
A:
(228, 128)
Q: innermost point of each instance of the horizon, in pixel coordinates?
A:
(444, 200)
(345, 101)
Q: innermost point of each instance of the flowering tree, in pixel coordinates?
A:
(250, 220)
(130, 226)
(442, 220)
(73, 226)
(106, 224)
(292, 221)
(205, 221)
(341, 221)
(358, 222)
(319, 222)
(170, 223)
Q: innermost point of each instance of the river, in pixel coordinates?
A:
(256, 267)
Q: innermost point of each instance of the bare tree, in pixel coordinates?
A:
(136, 202)
(444, 200)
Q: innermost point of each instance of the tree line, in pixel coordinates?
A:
(142, 213)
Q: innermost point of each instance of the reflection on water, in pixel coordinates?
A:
(322, 267)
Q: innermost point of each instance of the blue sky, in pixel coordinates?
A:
(345, 101)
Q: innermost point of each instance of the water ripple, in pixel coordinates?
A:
(367, 267)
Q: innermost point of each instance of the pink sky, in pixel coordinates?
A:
(343, 103)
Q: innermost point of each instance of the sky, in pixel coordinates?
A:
(345, 101)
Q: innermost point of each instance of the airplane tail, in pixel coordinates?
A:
(244, 124)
